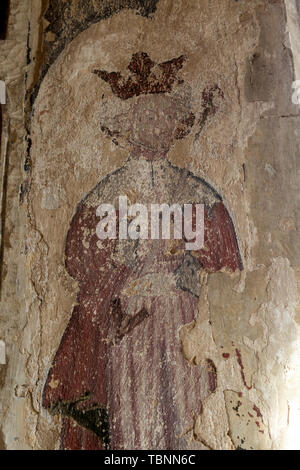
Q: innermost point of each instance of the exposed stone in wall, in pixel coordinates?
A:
(12, 320)
(238, 73)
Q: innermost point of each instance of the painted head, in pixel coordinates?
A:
(155, 105)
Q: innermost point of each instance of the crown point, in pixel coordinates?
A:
(143, 80)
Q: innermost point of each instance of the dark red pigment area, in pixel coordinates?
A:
(147, 77)
(257, 411)
(212, 375)
(211, 98)
(220, 244)
(77, 384)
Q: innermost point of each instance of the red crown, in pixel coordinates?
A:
(146, 76)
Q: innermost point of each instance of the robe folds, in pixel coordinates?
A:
(119, 377)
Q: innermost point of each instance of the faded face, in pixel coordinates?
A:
(157, 121)
(151, 122)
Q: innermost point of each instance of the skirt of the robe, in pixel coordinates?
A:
(155, 394)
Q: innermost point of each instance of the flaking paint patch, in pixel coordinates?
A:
(247, 428)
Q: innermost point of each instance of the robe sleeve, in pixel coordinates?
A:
(78, 373)
(221, 248)
(85, 255)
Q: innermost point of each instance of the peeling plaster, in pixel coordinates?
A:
(247, 150)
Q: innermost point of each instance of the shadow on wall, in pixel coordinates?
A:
(2, 443)
(4, 11)
(3, 370)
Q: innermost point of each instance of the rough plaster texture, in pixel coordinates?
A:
(248, 322)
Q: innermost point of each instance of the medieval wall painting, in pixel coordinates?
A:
(119, 371)
(141, 355)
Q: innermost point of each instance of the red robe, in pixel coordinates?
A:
(79, 379)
